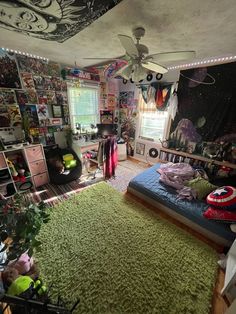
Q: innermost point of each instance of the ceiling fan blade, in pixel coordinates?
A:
(116, 58)
(154, 67)
(172, 56)
(129, 45)
(125, 72)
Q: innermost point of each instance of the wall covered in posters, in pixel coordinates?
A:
(29, 88)
(206, 118)
(128, 106)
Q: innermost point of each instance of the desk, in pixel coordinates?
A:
(81, 148)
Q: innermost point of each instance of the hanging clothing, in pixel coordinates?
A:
(107, 156)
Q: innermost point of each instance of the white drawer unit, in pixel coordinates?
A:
(37, 167)
(40, 179)
(31, 159)
(34, 153)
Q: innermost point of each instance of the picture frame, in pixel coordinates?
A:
(140, 148)
(57, 111)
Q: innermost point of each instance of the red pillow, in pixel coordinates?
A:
(219, 214)
(223, 197)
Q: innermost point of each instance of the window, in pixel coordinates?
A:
(84, 107)
(153, 124)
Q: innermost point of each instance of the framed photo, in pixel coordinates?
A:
(140, 148)
(57, 111)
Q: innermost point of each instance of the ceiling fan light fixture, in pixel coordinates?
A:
(138, 74)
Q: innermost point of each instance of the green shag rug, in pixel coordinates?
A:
(119, 257)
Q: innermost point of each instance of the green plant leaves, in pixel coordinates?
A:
(22, 221)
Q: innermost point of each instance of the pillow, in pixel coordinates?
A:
(223, 197)
(201, 186)
(220, 215)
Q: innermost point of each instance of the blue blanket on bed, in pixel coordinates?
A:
(148, 184)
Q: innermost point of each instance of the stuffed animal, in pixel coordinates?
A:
(24, 264)
(17, 284)
(69, 161)
(21, 275)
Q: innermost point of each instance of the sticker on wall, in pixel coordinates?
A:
(111, 102)
(42, 97)
(126, 99)
(55, 121)
(58, 84)
(61, 98)
(22, 97)
(14, 114)
(27, 80)
(56, 20)
(53, 69)
(4, 116)
(51, 97)
(7, 97)
(42, 111)
(32, 96)
(29, 112)
(39, 82)
(106, 116)
(36, 66)
(49, 138)
(9, 77)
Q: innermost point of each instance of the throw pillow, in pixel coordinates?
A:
(223, 197)
(201, 186)
(220, 215)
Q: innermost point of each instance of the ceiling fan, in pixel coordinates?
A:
(139, 63)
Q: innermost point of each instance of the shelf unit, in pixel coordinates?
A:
(167, 154)
(35, 164)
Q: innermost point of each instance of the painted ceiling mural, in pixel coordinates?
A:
(54, 20)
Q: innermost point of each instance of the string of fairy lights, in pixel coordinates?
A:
(180, 66)
(24, 54)
(203, 62)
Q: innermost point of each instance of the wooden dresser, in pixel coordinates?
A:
(36, 172)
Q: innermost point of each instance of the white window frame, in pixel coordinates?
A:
(166, 130)
(72, 116)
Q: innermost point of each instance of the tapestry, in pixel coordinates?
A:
(54, 20)
(207, 98)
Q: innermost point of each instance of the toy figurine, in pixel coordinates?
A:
(13, 169)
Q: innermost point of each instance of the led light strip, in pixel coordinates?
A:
(25, 54)
(231, 58)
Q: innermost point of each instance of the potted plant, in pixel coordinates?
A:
(21, 221)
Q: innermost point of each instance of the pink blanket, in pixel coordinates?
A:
(176, 176)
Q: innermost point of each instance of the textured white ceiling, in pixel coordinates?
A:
(206, 26)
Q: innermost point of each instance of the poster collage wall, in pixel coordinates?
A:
(32, 95)
(118, 104)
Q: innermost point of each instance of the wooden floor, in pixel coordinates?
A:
(219, 305)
